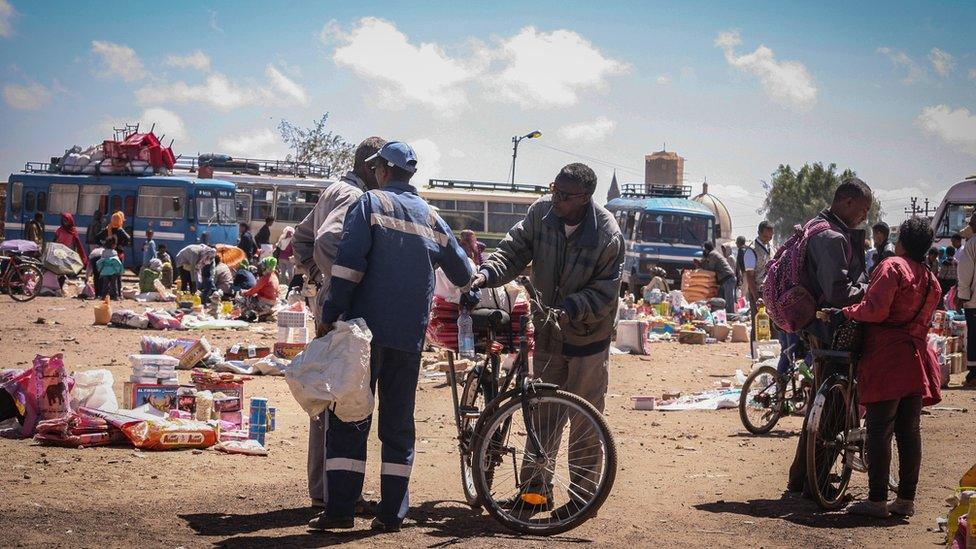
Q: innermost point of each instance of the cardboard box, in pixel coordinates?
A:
(189, 352)
(957, 363)
(719, 331)
(692, 337)
(244, 352)
(161, 397)
(231, 389)
(288, 350)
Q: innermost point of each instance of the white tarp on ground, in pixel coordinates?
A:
(708, 400)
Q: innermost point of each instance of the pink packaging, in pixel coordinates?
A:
(180, 414)
(239, 434)
(234, 418)
(41, 392)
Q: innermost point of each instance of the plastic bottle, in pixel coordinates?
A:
(762, 323)
(952, 523)
(971, 524)
(465, 334)
(197, 300)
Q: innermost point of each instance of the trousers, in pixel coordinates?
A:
(393, 379)
(318, 428)
(588, 378)
(970, 343)
(901, 418)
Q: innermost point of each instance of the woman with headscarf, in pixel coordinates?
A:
(284, 252)
(116, 228)
(67, 234)
(260, 301)
(474, 249)
(95, 227)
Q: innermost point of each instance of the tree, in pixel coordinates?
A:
(794, 197)
(315, 145)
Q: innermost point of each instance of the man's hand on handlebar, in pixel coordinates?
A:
(477, 281)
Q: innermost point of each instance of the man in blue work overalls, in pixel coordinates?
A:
(384, 273)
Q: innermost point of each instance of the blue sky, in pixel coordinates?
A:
(888, 89)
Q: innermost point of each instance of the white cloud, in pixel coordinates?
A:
(263, 143)
(550, 69)
(168, 123)
(213, 22)
(787, 82)
(457, 153)
(119, 60)
(221, 92)
(29, 97)
(286, 85)
(663, 79)
(196, 60)
(7, 14)
(942, 61)
(428, 161)
(895, 201)
(957, 127)
(588, 132)
(375, 50)
(972, 74)
(913, 72)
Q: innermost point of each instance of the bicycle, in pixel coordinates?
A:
(510, 431)
(835, 435)
(21, 276)
(767, 396)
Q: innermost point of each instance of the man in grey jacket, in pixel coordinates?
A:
(576, 251)
(316, 244)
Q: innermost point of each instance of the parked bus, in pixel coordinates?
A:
(662, 228)
(489, 209)
(952, 216)
(178, 209)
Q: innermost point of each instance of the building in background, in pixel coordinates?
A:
(664, 168)
(723, 220)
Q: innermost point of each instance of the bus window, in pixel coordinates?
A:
(215, 206)
(41, 201)
(116, 205)
(16, 197)
(93, 197)
(293, 205)
(160, 202)
(64, 198)
(130, 206)
(955, 219)
(629, 230)
(243, 204)
(502, 216)
(29, 202)
(261, 204)
(462, 214)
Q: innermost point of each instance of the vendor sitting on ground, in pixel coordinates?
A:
(261, 300)
(110, 271)
(243, 278)
(223, 277)
(149, 275)
(166, 273)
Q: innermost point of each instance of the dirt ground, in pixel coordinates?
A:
(685, 478)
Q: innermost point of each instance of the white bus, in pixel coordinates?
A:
(489, 209)
(952, 216)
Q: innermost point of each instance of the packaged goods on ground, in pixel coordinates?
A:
(243, 447)
(708, 400)
(740, 333)
(41, 392)
(93, 389)
(189, 351)
(242, 352)
(160, 397)
(692, 337)
(698, 285)
(644, 402)
(632, 336)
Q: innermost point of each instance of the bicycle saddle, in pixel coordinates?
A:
(490, 318)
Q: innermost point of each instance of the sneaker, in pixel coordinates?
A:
(876, 509)
(518, 504)
(381, 526)
(323, 522)
(902, 507)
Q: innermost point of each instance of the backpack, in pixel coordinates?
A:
(786, 292)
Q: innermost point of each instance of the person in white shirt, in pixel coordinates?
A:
(966, 299)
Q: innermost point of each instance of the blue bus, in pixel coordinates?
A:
(178, 209)
(663, 228)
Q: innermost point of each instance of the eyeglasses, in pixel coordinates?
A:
(560, 196)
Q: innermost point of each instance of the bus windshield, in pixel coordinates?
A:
(955, 219)
(215, 206)
(674, 228)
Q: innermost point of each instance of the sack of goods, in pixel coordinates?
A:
(698, 285)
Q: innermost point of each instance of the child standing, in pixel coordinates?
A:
(110, 271)
(148, 249)
(947, 270)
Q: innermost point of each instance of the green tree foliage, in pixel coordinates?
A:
(315, 145)
(794, 197)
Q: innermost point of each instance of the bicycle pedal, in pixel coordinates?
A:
(469, 412)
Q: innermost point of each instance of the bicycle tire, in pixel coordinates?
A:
(27, 285)
(774, 408)
(828, 421)
(502, 414)
(473, 389)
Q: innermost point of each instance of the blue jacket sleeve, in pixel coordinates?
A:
(451, 257)
(351, 260)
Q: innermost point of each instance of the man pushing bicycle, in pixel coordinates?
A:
(576, 251)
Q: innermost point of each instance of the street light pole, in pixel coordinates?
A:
(515, 143)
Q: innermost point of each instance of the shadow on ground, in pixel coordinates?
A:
(797, 511)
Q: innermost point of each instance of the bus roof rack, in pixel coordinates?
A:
(253, 166)
(644, 190)
(487, 186)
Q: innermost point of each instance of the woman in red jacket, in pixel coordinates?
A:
(898, 372)
(67, 234)
(261, 299)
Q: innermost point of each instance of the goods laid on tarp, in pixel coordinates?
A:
(698, 285)
(334, 369)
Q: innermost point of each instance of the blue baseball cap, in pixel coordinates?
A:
(399, 154)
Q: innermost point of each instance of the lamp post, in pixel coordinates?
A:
(515, 143)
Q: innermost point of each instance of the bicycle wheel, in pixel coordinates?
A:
(573, 475)
(761, 402)
(477, 392)
(24, 284)
(829, 427)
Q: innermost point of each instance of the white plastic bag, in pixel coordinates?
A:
(93, 389)
(334, 368)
